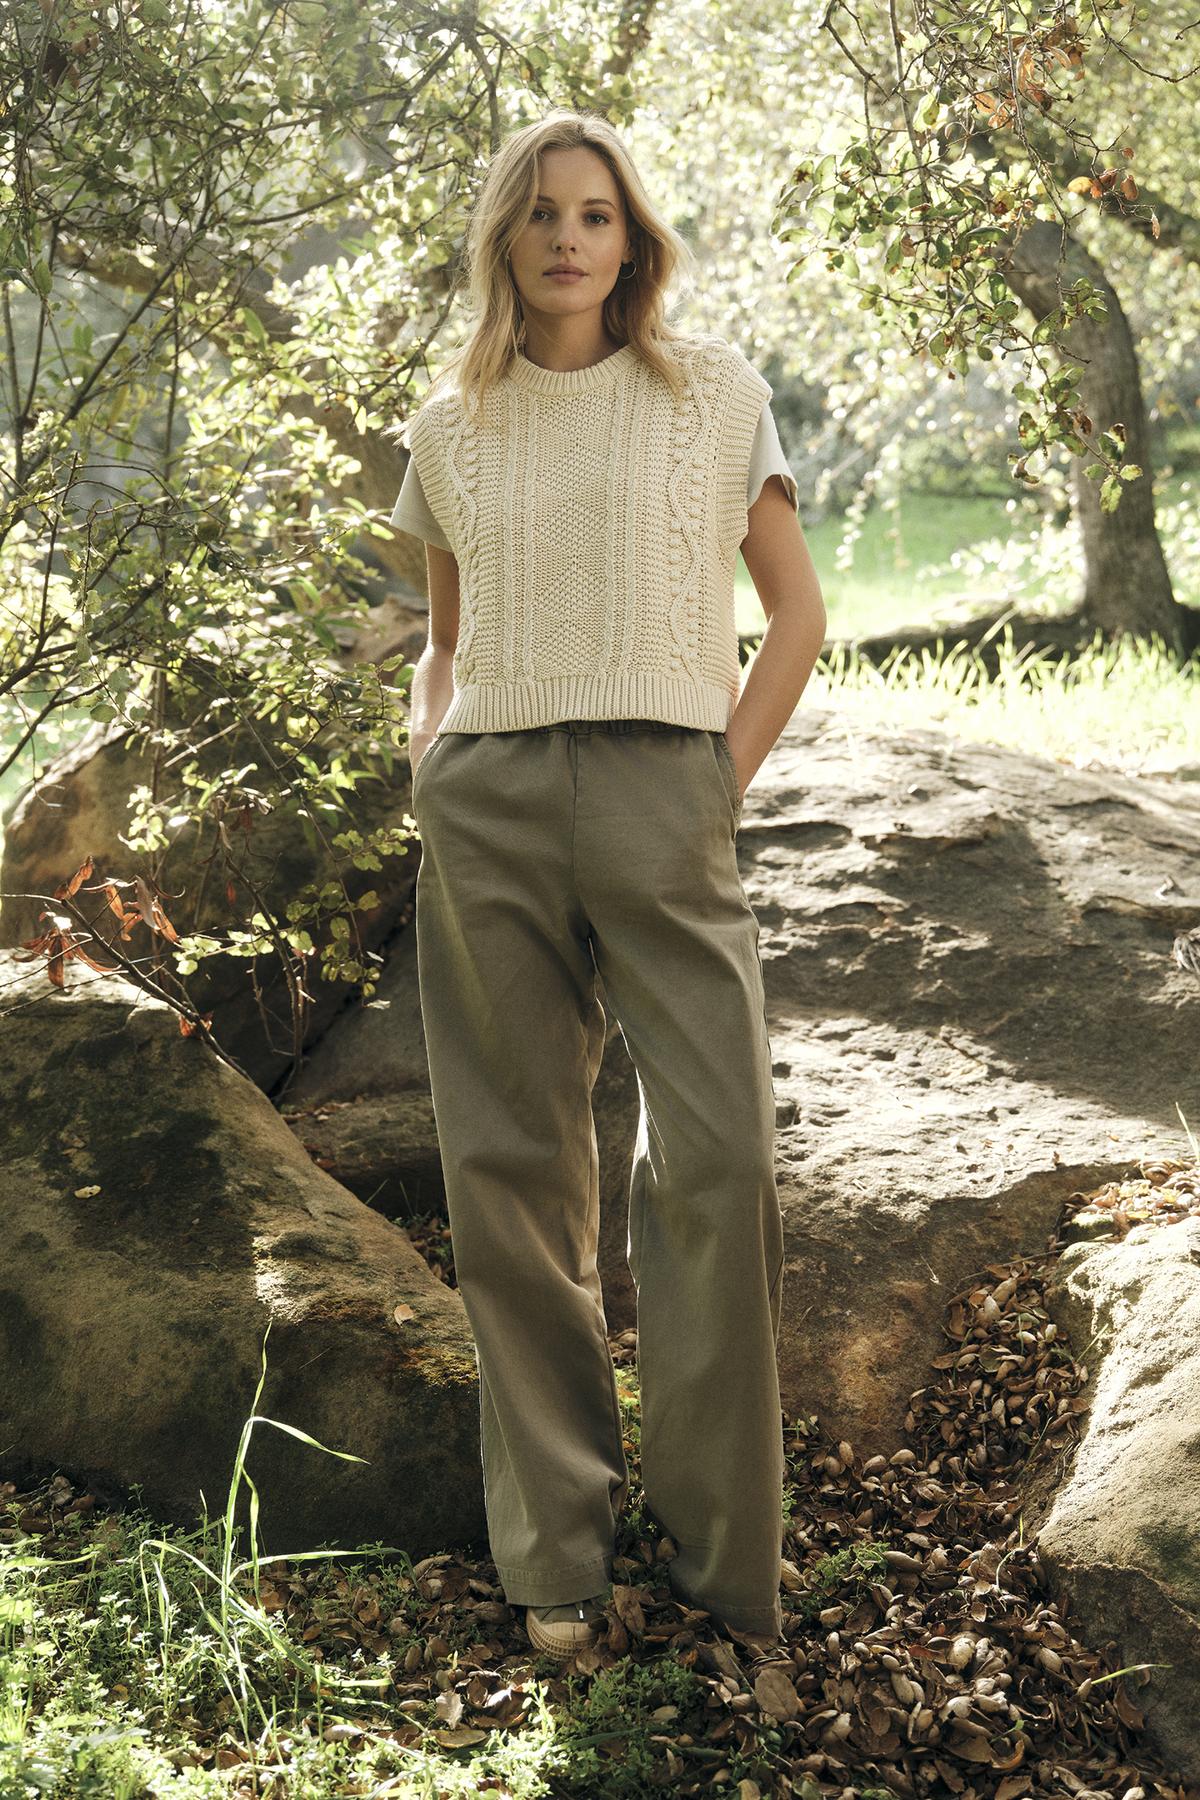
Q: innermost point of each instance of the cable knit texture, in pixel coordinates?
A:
(596, 524)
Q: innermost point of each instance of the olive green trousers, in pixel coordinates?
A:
(548, 855)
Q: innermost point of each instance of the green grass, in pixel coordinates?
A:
(884, 582)
(1129, 707)
(147, 1673)
(887, 581)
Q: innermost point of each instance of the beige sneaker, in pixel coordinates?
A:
(562, 1631)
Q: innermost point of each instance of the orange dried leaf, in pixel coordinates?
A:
(76, 949)
(152, 912)
(1130, 1714)
(1010, 1757)
(68, 888)
(35, 946)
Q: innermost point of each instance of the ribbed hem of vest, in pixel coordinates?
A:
(517, 707)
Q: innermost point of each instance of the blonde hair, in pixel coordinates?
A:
(635, 310)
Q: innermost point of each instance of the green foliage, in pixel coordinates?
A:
(111, 1660)
(838, 1575)
(185, 550)
(942, 278)
(125, 1663)
(606, 1738)
(968, 136)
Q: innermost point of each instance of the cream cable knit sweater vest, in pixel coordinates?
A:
(596, 526)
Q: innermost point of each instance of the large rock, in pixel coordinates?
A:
(974, 1012)
(1122, 1536)
(361, 1104)
(80, 807)
(156, 1217)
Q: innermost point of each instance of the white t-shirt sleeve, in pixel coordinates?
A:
(411, 512)
(767, 458)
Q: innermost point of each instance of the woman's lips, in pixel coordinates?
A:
(566, 275)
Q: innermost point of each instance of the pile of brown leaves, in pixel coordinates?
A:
(1166, 1193)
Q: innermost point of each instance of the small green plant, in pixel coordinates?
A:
(850, 1568)
(606, 1739)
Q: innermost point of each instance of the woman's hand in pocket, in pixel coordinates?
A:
(418, 745)
(737, 773)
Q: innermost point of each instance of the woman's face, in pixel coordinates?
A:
(577, 219)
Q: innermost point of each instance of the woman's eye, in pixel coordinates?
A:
(603, 217)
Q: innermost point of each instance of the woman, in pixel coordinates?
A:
(580, 754)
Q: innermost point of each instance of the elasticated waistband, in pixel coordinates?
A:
(584, 727)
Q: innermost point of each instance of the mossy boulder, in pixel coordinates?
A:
(158, 1217)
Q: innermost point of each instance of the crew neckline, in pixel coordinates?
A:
(570, 381)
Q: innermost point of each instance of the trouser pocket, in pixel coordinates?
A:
(729, 774)
(431, 749)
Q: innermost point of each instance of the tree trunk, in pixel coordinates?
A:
(1127, 587)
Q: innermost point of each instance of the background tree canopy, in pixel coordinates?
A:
(960, 240)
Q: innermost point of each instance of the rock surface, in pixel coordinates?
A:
(1122, 1536)
(973, 1009)
(974, 1012)
(155, 1215)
